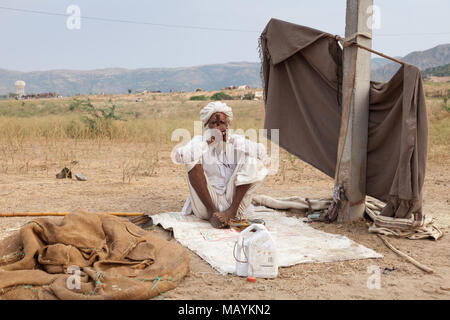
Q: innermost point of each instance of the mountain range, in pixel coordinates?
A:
(383, 69)
(207, 77)
(119, 80)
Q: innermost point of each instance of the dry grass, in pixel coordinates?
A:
(41, 133)
(38, 135)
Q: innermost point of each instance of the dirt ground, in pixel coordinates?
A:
(111, 187)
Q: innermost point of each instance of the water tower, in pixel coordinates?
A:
(20, 88)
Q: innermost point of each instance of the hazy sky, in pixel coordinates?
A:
(31, 41)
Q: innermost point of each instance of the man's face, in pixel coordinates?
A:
(218, 121)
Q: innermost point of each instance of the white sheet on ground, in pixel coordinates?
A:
(296, 241)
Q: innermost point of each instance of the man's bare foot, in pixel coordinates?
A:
(215, 221)
(225, 216)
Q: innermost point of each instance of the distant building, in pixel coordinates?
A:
(20, 88)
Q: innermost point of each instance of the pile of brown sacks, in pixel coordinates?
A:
(88, 256)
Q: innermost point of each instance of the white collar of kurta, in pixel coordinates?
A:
(223, 152)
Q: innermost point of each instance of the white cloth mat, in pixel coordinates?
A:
(296, 241)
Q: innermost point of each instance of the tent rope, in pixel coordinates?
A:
(351, 41)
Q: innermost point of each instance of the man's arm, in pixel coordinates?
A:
(254, 149)
(192, 152)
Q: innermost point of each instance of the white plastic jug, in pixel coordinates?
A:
(255, 253)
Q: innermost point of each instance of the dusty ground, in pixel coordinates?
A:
(113, 185)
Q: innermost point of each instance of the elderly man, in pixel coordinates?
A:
(223, 169)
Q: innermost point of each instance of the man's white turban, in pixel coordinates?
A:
(214, 107)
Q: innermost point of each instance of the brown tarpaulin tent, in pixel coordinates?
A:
(112, 258)
(302, 77)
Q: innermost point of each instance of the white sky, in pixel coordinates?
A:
(31, 42)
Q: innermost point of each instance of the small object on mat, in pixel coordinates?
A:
(64, 173)
(260, 221)
(80, 177)
(257, 246)
(244, 223)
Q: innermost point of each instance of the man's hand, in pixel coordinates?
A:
(215, 221)
(225, 216)
(212, 136)
(211, 140)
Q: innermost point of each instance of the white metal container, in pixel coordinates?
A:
(256, 253)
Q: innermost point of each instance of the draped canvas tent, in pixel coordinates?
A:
(302, 77)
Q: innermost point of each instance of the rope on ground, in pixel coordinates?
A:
(404, 255)
(38, 214)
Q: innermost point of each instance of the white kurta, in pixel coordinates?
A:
(226, 166)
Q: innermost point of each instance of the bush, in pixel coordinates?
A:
(221, 96)
(77, 104)
(200, 98)
(100, 120)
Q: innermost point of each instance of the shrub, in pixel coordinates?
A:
(196, 98)
(100, 120)
(221, 96)
(77, 104)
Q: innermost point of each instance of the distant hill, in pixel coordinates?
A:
(437, 56)
(441, 71)
(118, 81)
(376, 63)
(207, 77)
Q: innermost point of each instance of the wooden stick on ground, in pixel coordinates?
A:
(414, 262)
(38, 214)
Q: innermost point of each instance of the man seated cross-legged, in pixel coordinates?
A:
(223, 170)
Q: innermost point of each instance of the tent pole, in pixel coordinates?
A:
(352, 149)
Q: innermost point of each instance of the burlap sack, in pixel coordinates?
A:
(88, 256)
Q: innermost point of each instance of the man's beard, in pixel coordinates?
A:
(219, 141)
